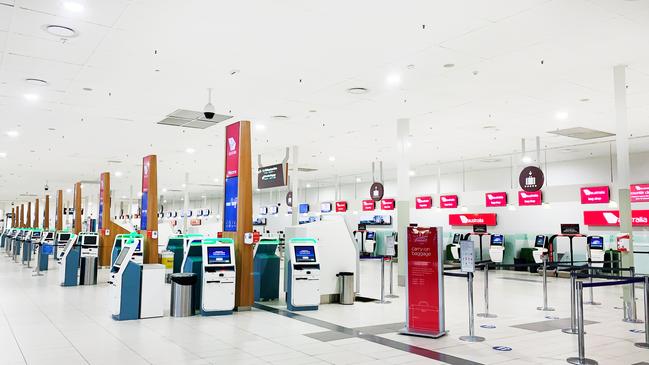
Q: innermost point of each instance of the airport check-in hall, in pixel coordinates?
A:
(324, 182)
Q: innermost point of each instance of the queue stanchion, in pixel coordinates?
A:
(391, 294)
(471, 337)
(486, 313)
(37, 268)
(632, 315)
(591, 301)
(545, 286)
(582, 359)
(383, 301)
(645, 344)
(573, 315)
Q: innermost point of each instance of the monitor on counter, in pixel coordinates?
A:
(497, 240)
(273, 209)
(122, 255)
(304, 253)
(540, 241)
(263, 210)
(570, 229)
(325, 207)
(90, 240)
(369, 235)
(596, 242)
(64, 237)
(456, 238)
(219, 255)
(36, 234)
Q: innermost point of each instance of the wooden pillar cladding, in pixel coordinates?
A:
(107, 229)
(21, 215)
(149, 209)
(244, 294)
(28, 218)
(36, 214)
(13, 217)
(58, 224)
(77, 208)
(46, 217)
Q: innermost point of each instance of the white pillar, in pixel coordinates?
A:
(295, 188)
(185, 203)
(403, 193)
(622, 151)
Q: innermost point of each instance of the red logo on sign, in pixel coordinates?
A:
(232, 150)
(530, 198)
(368, 205)
(639, 193)
(468, 219)
(595, 195)
(423, 202)
(448, 201)
(498, 199)
(387, 204)
(612, 217)
(341, 207)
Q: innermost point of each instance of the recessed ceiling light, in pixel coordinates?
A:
(260, 127)
(561, 115)
(3, 154)
(184, 185)
(489, 127)
(203, 196)
(393, 79)
(568, 150)
(12, 134)
(164, 190)
(72, 6)
(526, 159)
(308, 185)
(411, 173)
(36, 82)
(216, 179)
(357, 90)
(118, 173)
(61, 31)
(490, 160)
(358, 179)
(31, 97)
(68, 190)
(280, 116)
(190, 150)
(332, 158)
(449, 65)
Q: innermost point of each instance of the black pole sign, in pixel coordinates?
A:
(376, 191)
(531, 179)
(289, 198)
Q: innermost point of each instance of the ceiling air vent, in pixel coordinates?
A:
(581, 133)
(192, 119)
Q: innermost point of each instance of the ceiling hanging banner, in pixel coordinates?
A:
(469, 219)
(498, 199)
(423, 202)
(639, 193)
(530, 198)
(387, 204)
(146, 168)
(341, 207)
(368, 205)
(595, 194)
(448, 201)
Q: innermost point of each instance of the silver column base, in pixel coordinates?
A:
(547, 309)
(642, 345)
(472, 338)
(578, 361)
(570, 331)
(629, 320)
(487, 315)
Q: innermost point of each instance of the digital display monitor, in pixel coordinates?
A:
(596, 242)
(456, 238)
(570, 229)
(90, 240)
(540, 241)
(480, 228)
(36, 234)
(122, 255)
(304, 208)
(325, 207)
(218, 255)
(139, 246)
(304, 253)
(263, 210)
(370, 235)
(49, 235)
(273, 209)
(497, 240)
(64, 236)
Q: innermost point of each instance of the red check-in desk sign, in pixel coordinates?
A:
(530, 198)
(595, 195)
(639, 193)
(639, 218)
(425, 283)
(423, 202)
(471, 219)
(498, 199)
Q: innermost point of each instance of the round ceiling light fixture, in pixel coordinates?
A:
(490, 160)
(280, 116)
(357, 90)
(60, 31)
(36, 82)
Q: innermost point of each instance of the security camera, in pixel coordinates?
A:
(47, 187)
(208, 110)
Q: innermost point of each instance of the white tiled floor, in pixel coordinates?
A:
(43, 323)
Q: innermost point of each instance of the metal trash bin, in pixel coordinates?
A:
(88, 271)
(167, 259)
(181, 294)
(346, 282)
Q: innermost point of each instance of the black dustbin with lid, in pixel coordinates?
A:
(346, 282)
(181, 294)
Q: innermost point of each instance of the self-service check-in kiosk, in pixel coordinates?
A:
(455, 246)
(303, 292)
(61, 241)
(266, 266)
(137, 290)
(596, 250)
(481, 240)
(193, 263)
(119, 241)
(45, 250)
(179, 245)
(540, 248)
(29, 243)
(497, 248)
(17, 243)
(569, 244)
(3, 236)
(219, 276)
(9, 242)
(89, 243)
(69, 270)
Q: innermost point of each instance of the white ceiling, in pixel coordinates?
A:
(517, 63)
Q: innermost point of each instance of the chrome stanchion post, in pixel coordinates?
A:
(590, 290)
(581, 360)
(632, 317)
(573, 316)
(471, 337)
(37, 269)
(486, 313)
(545, 285)
(383, 301)
(392, 295)
(645, 344)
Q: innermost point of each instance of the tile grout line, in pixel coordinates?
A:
(431, 354)
(13, 334)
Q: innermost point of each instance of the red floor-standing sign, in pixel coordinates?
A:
(424, 283)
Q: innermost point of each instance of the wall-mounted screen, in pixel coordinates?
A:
(540, 241)
(479, 228)
(570, 229)
(272, 176)
(259, 222)
(596, 242)
(263, 210)
(497, 240)
(218, 255)
(325, 207)
(304, 253)
(273, 209)
(304, 208)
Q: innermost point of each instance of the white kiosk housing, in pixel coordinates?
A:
(497, 248)
(303, 292)
(218, 279)
(596, 250)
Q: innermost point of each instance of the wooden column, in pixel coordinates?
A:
(46, 217)
(244, 294)
(149, 204)
(28, 219)
(77, 208)
(36, 214)
(58, 224)
(21, 213)
(107, 229)
(13, 217)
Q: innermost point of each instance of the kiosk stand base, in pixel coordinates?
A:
(215, 313)
(407, 332)
(471, 338)
(578, 361)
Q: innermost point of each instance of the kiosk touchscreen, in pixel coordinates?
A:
(303, 292)
(219, 277)
(497, 247)
(89, 243)
(117, 246)
(596, 250)
(62, 239)
(68, 272)
(481, 240)
(45, 250)
(455, 246)
(540, 248)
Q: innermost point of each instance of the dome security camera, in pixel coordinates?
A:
(47, 187)
(208, 110)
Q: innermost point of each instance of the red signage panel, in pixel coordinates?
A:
(425, 309)
(423, 202)
(639, 218)
(595, 194)
(530, 198)
(368, 205)
(639, 193)
(469, 219)
(232, 150)
(448, 201)
(341, 207)
(498, 199)
(387, 204)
